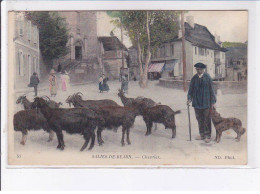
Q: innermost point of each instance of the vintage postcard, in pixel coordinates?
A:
(127, 88)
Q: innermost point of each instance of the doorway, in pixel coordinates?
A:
(78, 52)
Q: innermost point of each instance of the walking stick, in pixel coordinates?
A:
(189, 120)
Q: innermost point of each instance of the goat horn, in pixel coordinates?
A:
(79, 93)
(46, 97)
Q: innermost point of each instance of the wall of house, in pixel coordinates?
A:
(207, 59)
(178, 68)
(112, 68)
(26, 48)
(83, 31)
(223, 63)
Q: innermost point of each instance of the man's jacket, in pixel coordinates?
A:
(201, 92)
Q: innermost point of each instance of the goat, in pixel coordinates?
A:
(72, 120)
(126, 101)
(25, 102)
(77, 101)
(25, 120)
(140, 102)
(115, 116)
(52, 103)
(160, 114)
(28, 106)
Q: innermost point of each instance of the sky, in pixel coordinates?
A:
(231, 26)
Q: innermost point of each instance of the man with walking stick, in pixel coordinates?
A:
(203, 98)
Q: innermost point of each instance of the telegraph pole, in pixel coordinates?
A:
(183, 51)
(122, 36)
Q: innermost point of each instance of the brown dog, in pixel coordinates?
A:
(223, 124)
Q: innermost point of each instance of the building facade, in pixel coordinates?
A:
(25, 44)
(111, 56)
(90, 55)
(200, 46)
(236, 63)
(82, 60)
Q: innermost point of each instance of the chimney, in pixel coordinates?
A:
(190, 20)
(217, 39)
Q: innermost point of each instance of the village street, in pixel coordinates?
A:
(158, 145)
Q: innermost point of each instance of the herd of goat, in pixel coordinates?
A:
(87, 115)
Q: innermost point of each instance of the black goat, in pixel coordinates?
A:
(160, 114)
(25, 102)
(35, 122)
(141, 102)
(77, 101)
(114, 117)
(51, 103)
(72, 120)
(28, 105)
(126, 101)
(25, 120)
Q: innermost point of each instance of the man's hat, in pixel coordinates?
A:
(200, 65)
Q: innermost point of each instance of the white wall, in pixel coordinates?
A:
(207, 59)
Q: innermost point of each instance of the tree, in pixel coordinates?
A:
(147, 30)
(53, 35)
(234, 44)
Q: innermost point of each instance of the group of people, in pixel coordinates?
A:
(61, 77)
(54, 79)
(103, 86)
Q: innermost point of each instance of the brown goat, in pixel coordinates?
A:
(160, 114)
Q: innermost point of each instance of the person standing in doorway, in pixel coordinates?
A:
(202, 96)
(53, 83)
(34, 81)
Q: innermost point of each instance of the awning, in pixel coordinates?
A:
(156, 67)
(169, 66)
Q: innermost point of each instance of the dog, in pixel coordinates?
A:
(223, 124)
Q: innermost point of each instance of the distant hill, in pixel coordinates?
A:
(233, 44)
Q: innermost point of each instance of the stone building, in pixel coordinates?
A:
(90, 55)
(111, 56)
(200, 46)
(236, 63)
(25, 48)
(82, 61)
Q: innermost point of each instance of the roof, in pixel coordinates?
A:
(200, 36)
(236, 53)
(111, 43)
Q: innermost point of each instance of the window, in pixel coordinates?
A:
(201, 51)
(172, 50)
(211, 54)
(162, 51)
(195, 50)
(29, 30)
(20, 61)
(21, 27)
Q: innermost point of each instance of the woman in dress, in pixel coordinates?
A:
(65, 81)
(53, 83)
